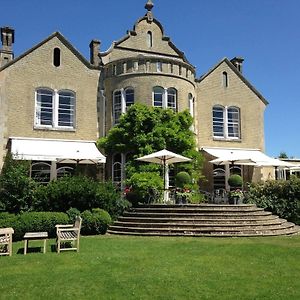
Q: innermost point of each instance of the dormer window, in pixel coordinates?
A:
(56, 57)
(149, 39)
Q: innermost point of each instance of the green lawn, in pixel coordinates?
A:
(112, 267)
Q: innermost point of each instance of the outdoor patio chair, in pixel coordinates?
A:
(6, 241)
(68, 234)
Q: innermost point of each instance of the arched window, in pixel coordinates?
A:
(117, 106)
(172, 99)
(225, 79)
(44, 107)
(56, 57)
(233, 122)
(158, 96)
(218, 121)
(64, 171)
(219, 178)
(40, 172)
(191, 104)
(66, 109)
(129, 97)
(149, 39)
(117, 169)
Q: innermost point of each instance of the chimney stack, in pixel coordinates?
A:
(238, 63)
(94, 52)
(7, 40)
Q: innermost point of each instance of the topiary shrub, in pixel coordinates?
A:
(95, 221)
(235, 181)
(182, 179)
(72, 214)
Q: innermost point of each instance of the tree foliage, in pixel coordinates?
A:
(144, 130)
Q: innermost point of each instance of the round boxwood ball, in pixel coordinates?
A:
(235, 180)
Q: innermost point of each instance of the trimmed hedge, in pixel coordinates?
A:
(95, 221)
(33, 221)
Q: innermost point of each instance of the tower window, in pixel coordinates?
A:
(149, 39)
(56, 57)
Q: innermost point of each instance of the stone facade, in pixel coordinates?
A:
(145, 58)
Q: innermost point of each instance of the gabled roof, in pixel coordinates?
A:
(130, 33)
(239, 74)
(63, 40)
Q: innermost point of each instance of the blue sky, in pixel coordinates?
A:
(265, 32)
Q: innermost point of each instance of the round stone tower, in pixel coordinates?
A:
(145, 67)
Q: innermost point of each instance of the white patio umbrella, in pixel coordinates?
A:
(165, 158)
(233, 160)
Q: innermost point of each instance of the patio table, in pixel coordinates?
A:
(35, 236)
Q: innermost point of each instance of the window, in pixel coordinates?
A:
(219, 178)
(191, 103)
(40, 172)
(172, 99)
(56, 57)
(55, 108)
(64, 171)
(159, 66)
(225, 79)
(233, 119)
(129, 97)
(44, 107)
(158, 96)
(117, 106)
(226, 122)
(218, 121)
(149, 39)
(165, 98)
(117, 169)
(122, 100)
(66, 108)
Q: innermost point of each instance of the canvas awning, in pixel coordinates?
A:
(65, 151)
(258, 158)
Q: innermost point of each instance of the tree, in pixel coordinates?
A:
(143, 130)
(283, 154)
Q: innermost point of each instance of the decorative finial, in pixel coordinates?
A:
(149, 5)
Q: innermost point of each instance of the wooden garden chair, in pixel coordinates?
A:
(68, 233)
(6, 241)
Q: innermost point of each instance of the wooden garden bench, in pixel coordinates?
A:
(68, 233)
(6, 241)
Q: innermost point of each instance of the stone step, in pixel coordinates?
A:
(195, 214)
(204, 209)
(291, 231)
(195, 206)
(204, 219)
(201, 220)
(197, 224)
(202, 229)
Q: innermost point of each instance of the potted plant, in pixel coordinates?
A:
(236, 194)
(183, 192)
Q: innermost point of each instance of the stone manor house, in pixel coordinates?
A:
(54, 103)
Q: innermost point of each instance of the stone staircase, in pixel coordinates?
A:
(212, 220)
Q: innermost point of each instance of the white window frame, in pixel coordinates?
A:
(124, 103)
(56, 109)
(227, 123)
(166, 94)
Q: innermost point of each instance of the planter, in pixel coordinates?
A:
(234, 200)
